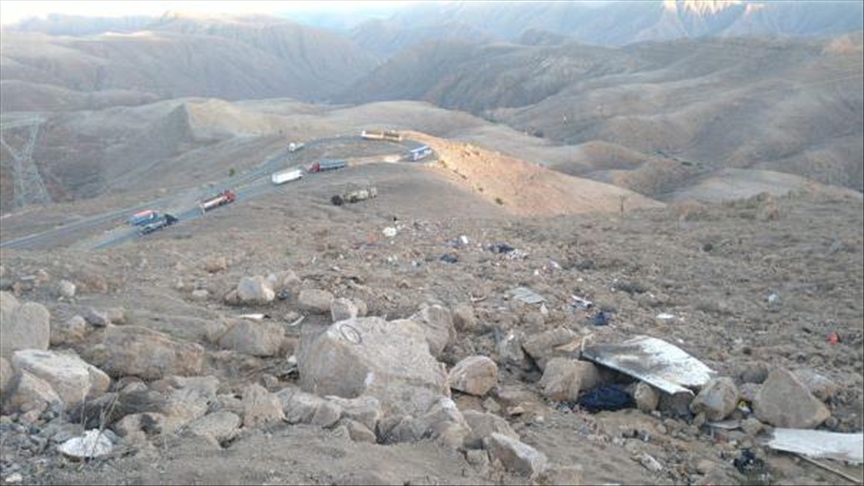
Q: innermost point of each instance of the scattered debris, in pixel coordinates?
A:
(501, 248)
(833, 337)
(460, 242)
(606, 397)
(773, 302)
(526, 295)
(389, 232)
(601, 318)
(254, 317)
(653, 361)
(820, 444)
(581, 303)
(449, 258)
(748, 464)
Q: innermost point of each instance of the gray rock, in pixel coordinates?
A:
(365, 409)
(215, 264)
(94, 443)
(116, 315)
(445, 423)
(298, 406)
(200, 294)
(748, 391)
(359, 432)
(70, 331)
(25, 326)
(66, 289)
(6, 374)
(677, 405)
(72, 378)
(819, 385)
(752, 426)
(563, 476)
(327, 414)
(27, 393)
(387, 360)
(147, 354)
(463, 318)
(342, 309)
(483, 425)
(183, 406)
(716, 400)
(260, 407)
(97, 318)
(407, 430)
(646, 397)
(515, 455)
(474, 375)
(542, 347)
(221, 426)
(259, 338)
(478, 458)
(564, 378)
(315, 301)
(784, 401)
(437, 325)
(255, 290)
(755, 372)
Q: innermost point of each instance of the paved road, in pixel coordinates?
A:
(183, 206)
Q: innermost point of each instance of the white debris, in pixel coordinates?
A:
(92, 444)
(389, 232)
(820, 444)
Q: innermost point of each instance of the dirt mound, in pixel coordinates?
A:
(525, 188)
(730, 184)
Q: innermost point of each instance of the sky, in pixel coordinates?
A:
(12, 11)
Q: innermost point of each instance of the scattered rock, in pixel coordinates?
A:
(784, 401)
(315, 301)
(147, 354)
(327, 414)
(445, 423)
(820, 386)
(408, 429)
(437, 324)
(646, 397)
(116, 315)
(220, 426)
(564, 378)
(25, 326)
(255, 290)
(751, 426)
(6, 374)
(364, 409)
(478, 458)
(463, 318)
(716, 400)
(70, 331)
(755, 372)
(677, 405)
(200, 294)
(27, 392)
(216, 264)
(71, 377)
(66, 289)
(475, 375)
(260, 407)
(97, 318)
(298, 406)
(359, 432)
(562, 476)
(541, 347)
(260, 338)
(649, 463)
(94, 443)
(342, 309)
(389, 360)
(483, 425)
(515, 455)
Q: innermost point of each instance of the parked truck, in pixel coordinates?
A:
(143, 217)
(419, 153)
(160, 222)
(286, 175)
(325, 165)
(225, 197)
(295, 146)
(390, 135)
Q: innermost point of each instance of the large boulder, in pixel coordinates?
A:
(564, 378)
(474, 375)
(27, 393)
(24, 326)
(388, 360)
(148, 354)
(515, 455)
(716, 400)
(819, 385)
(255, 290)
(365, 410)
(220, 426)
(483, 425)
(72, 378)
(549, 344)
(261, 338)
(437, 325)
(342, 309)
(783, 401)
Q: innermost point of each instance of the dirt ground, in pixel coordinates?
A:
(711, 266)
